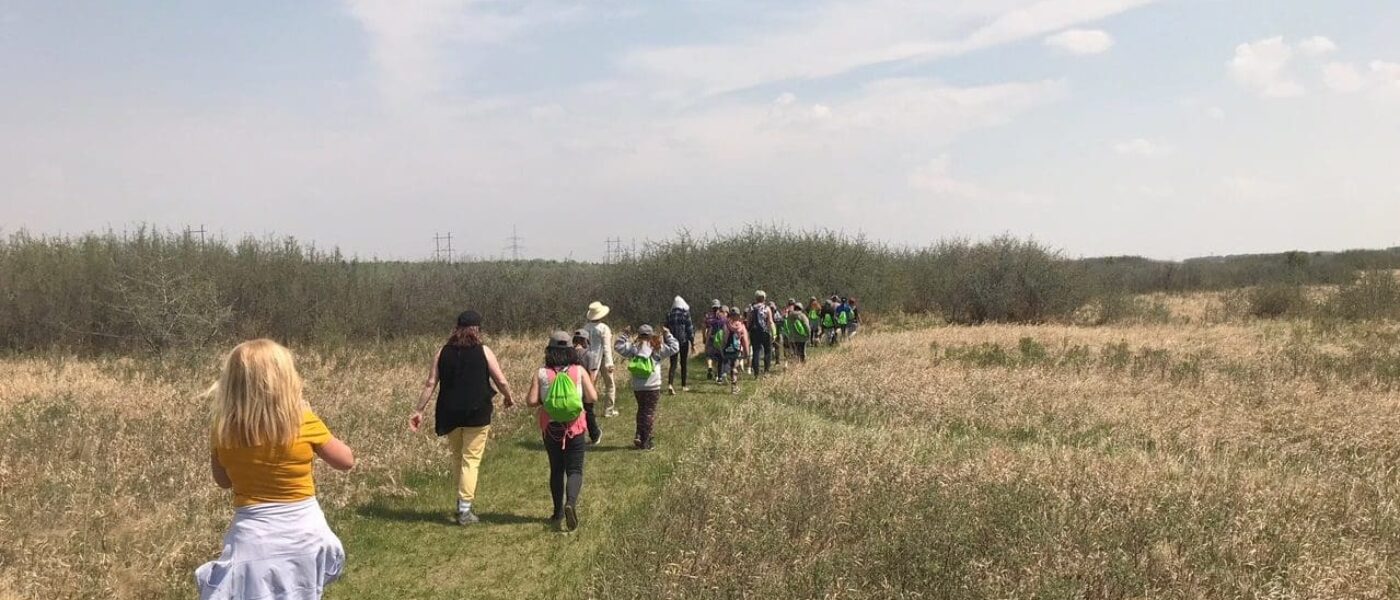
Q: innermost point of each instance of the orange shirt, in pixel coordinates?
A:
(275, 473)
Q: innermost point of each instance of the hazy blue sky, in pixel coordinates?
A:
(1165, 128)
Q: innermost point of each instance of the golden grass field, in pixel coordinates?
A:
(1196, 457)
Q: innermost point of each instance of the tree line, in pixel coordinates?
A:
(150, 289)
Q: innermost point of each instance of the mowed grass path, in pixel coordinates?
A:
(408, 547)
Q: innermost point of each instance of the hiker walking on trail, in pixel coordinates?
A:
(265, 439)
(644, 358)
(829, 321)
(843, 317)
(854, 326)
(580, 346)
(779, 337)
(600, 357)
(563, 391)
(683, 327)
(715, 321)
(797, 330)
(814, 319)
(734, 348)
(464, 371)
(761, 329)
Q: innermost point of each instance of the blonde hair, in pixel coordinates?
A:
(257, 400)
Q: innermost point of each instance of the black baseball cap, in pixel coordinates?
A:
(469, 318)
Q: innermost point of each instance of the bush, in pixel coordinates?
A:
(1373, 295)
(1275, 301)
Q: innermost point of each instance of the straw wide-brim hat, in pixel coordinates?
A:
(597, 310)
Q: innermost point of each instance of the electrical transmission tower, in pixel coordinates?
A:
(514, 246)
(190, 231)
(613, 253)
(442, 247)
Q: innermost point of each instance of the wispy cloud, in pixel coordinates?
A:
(841, 36)
(1081, 41)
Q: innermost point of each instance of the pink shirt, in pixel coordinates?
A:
(544, 378)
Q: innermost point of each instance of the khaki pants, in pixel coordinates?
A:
(468, 444)
(607, 388)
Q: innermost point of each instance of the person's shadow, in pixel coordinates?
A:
(385, 512)
(539, 446)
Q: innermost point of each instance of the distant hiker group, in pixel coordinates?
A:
(265, 437)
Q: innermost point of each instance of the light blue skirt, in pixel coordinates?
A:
(274, 551)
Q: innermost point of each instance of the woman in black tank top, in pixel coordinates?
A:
(463, 372)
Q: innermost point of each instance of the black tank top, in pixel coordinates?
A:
(465, 392)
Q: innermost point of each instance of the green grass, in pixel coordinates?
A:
(406, 546)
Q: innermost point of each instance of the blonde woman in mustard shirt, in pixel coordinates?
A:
(265, 439)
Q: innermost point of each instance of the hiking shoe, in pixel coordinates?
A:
(597, 440)
(570, 518)
(670, 390)
(467, 517)
(685, 389)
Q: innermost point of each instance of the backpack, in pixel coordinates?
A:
(735, 346)
(758, 318)
(641, 367)
(797, 327)
(717, 340)
(564, 400)
(842, 317)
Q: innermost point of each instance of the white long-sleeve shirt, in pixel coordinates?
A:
(600, 345)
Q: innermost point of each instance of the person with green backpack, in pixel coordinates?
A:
(562, 391)
(798, 328)
(644, 358)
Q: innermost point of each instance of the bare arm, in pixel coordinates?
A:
(220, 475)
(337, 455)
(416, 419)
(499, 377)
(532, 397)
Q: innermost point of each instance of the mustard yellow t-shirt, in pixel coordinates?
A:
(275, 473)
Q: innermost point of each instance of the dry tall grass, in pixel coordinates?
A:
(1232, 461)
(104, 483)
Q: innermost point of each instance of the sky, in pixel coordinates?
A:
(1164, 128)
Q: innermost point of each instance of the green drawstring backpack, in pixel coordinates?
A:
(564, 400)
(641, 367)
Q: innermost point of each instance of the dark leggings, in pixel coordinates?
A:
(682, 357)
(565, 469)
(800, 349)
(646, 415)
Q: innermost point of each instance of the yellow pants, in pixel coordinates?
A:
(468, 444)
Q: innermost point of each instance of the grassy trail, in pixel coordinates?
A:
(407, 546)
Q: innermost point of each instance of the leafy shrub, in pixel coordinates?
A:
(1276, 301)
(1373, 295)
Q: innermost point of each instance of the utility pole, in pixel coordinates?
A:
(614, 250)
(442, 247)
(514, 247)
(190, 231)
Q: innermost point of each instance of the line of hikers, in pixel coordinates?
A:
(265, 437)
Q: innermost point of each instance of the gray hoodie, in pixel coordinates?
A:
(670, 346)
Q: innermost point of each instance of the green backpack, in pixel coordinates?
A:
(564, 400)
(641, 367)
(718, 339)
(797, 328)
